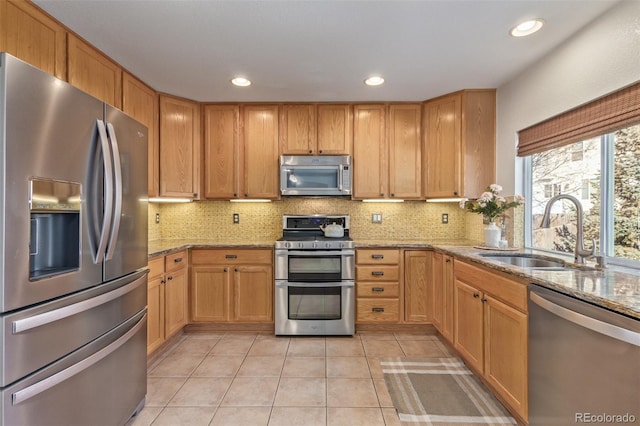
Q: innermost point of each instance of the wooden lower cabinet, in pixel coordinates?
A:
(166, 298)
(490, 317)
(230, 285)
(442, 273)
(418, 290)
(378, 286)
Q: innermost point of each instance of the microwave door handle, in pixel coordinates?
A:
(117, 166)
(340, 177)
(108, 192)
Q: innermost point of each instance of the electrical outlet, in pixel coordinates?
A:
(157, 217)
(445, 218)
(236, 218)
(376, 218)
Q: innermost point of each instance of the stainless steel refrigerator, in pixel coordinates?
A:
(73, 254)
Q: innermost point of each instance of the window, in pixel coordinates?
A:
(551, 190)
(577, 153)
(606, 181)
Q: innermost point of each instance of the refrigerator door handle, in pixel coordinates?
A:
(41, 386)
(117, 166)
(108, 192)
(593, 324)
(45, 318)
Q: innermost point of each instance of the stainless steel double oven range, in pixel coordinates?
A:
(314, 278)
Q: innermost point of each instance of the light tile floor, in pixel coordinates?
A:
(256, 379)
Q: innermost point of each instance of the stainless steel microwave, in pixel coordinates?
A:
(308, 175)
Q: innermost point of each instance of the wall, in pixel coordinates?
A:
(599, 59)
(263, 221)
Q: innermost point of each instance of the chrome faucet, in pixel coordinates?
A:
(580, 252)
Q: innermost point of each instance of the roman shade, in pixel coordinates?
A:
(603, 115)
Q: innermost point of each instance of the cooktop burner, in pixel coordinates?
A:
(304, 232)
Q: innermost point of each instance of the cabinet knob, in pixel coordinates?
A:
(320, 152)
(448, 260)
(226, 269)
(382, 194)
(235, 194)
(169, 277)
(163, 281)
(476, 295)
(393, 195)
(235, 269)
(483, 300)
(246, 195)
(195, 195)
(455, 192)
(310, 152)
(177, 260)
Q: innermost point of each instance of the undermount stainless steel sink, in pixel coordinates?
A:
(526, 260)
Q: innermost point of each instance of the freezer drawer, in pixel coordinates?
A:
(38, 336)
(102, 383)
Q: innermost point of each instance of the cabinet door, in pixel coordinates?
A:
(211, 293)
(141, 102)
(93, 72)
(369, 152)
(505, 361)
(176, 307)
(179, 147)
(443, 147)
(438, 292)
(417, 286)
(253, 293)
(405, 152)
(261, 170)
(221, 145)
(334, 129)
(155, 313)
(468, 335)
(448, 281)
(298, 129)
(29, 34)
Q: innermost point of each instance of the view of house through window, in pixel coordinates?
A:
(605, 177)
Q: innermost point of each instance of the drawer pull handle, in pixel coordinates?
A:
(377, 273)
(231, 256)
(377, 289)
(177, 260)
(377, 256)
(377, 309)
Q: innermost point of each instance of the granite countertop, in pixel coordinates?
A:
(615, 289)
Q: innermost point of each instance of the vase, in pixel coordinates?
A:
(491, 235)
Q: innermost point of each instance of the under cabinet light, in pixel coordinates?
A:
(445, 200)
(169, 200)
(255, 200)
(382, 200)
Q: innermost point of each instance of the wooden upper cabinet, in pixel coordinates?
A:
(369, 152)
(179, 147)
(387, 151)
(405, 151)
(334, 135)
(28, 33)
(221, 150)
(89, 70)
(298, 129)
(141, 102)
(460, 144)
(307, 129)
(260, 168)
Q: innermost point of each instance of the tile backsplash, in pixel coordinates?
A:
(263, 221)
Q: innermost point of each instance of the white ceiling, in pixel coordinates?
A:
(321, 50)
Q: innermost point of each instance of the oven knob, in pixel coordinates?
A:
(300, 245)
(315, 245)
(327, 245)
(287, 245)
(341, 245)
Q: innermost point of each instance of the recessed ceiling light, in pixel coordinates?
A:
(241, 81)
(375, 80)
(526, 28)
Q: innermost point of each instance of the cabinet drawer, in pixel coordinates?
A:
(377, 290)
(156, 267)
(511, 292)
(378, 273)
(377, 310)
(175, 261)
(231, 256)
(377, 256)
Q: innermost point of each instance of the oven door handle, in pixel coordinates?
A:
(284, 284)
(316, 253)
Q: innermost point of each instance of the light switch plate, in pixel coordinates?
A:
(376, 218)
